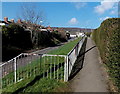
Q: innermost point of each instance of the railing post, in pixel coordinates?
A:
(15, 68)
(0, 76)
(66, 69)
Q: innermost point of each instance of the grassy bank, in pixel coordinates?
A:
(65, 49)
(107, 39)
(33, 73)
(41, 85)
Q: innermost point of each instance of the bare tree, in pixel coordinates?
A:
(33, 18)
(30, 14)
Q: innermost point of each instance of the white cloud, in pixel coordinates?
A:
(104, 18)
(104, 6)
(79, 5)
(113, 12)
(114, 9)
(73, 21)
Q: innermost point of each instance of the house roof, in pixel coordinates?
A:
(49, 28)
(5, 22)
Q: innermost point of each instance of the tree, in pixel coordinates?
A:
(33, 17)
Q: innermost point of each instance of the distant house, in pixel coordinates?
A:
(44, 30)
(72, 36)
(79, 34)
(26, 25)
(2, 23)
(6, 22)
(22, 23)
(49, 29)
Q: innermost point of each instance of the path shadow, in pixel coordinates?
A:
(79, 62)
(88, 50)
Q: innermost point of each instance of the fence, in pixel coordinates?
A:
(45, 65)
(71, 58)
(31, 65)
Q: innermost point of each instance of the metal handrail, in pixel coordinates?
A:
(74, 47)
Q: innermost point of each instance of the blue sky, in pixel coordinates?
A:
(67, 14)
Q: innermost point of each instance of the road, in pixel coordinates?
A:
(91, 78)
(46, 50)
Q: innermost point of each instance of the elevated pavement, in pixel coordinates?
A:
(91, 78)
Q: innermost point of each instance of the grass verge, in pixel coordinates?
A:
(65, 49)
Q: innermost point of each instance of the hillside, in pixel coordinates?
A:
(73, 30)
(107, 39)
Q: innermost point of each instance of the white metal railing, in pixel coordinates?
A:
(72, 57)
(28, 65)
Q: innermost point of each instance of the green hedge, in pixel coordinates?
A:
(107, 39)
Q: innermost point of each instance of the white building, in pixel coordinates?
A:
(79, 34)
(72, 36)
(2, 24)
(45, 30)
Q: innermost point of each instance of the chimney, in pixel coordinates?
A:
(6, 19)
(12, 20)
(19, 21)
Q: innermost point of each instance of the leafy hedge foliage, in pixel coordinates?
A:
(15, 35)
(14, 41)
(107, 38)
(88, 33)
(61, 36)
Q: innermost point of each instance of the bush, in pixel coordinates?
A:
(113, 58)
(14, 41)
(107, 39)
(88, 34)
(61, 36)
(45, 39)
(15, 35)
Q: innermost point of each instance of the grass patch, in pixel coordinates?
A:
(65, 49)
(16, 86)
(45, 85)
(42, 85)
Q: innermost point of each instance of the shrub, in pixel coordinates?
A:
(88, 34)
(59, 35)
(45, 39)
(14, 41)
(107, 39)
(15, 35)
